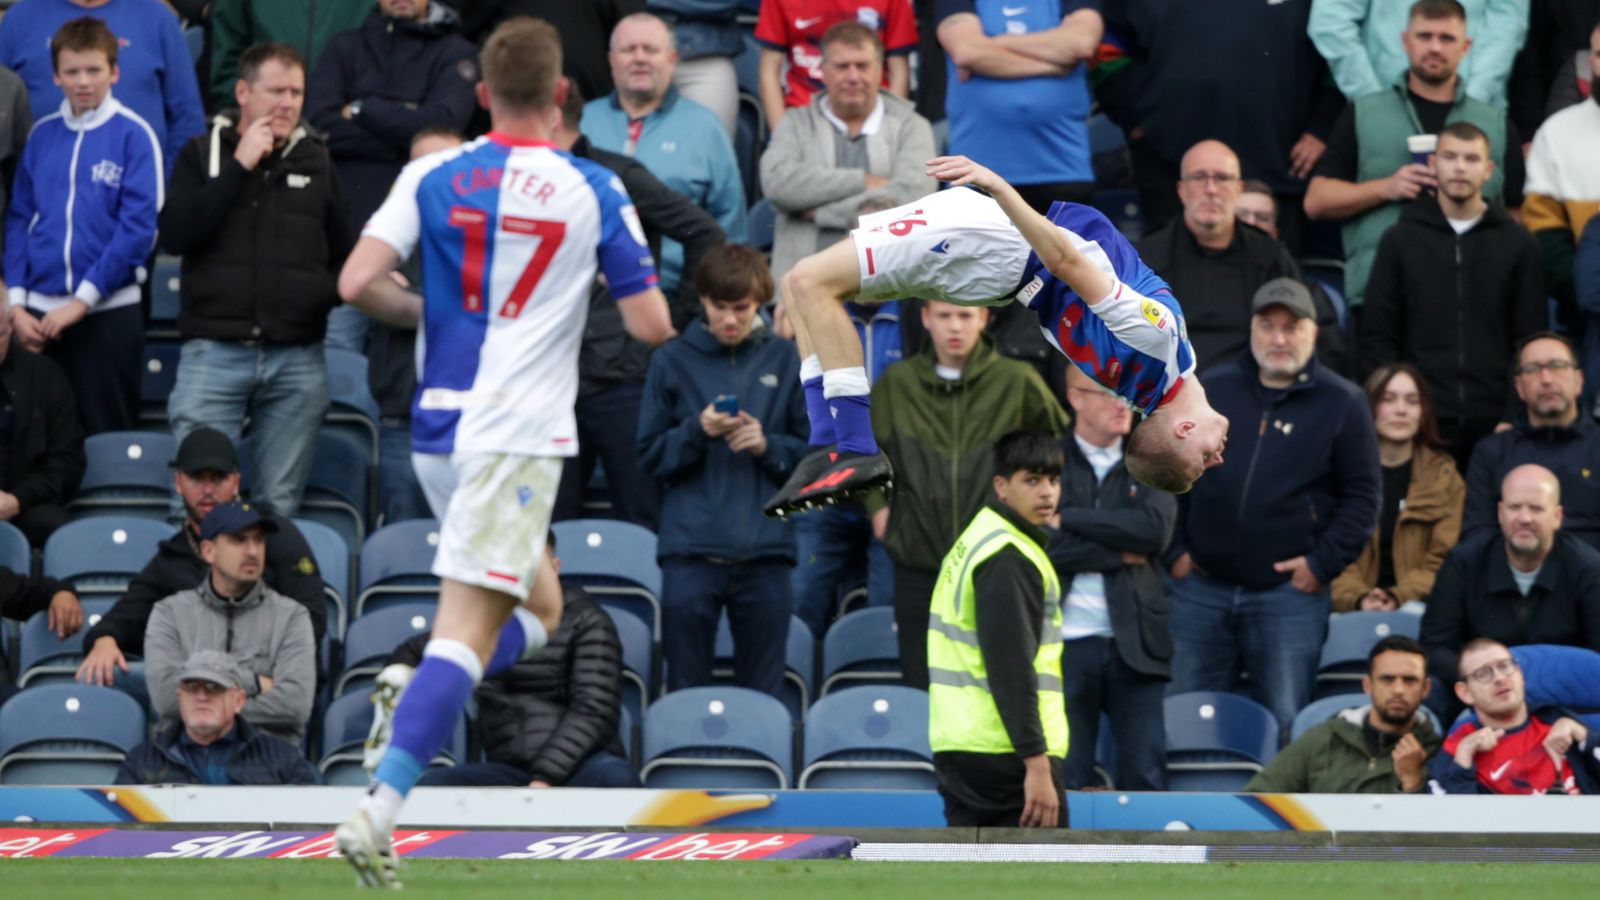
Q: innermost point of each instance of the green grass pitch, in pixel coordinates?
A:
(97, 879)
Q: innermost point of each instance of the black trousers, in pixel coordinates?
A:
(607, 424)
(913, 595)
(103, 357)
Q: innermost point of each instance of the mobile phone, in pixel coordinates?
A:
(727, 404)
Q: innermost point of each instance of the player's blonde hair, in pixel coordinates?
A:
(1156, 457)
(522, 62)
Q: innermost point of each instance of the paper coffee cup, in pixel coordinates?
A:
(1421, 146)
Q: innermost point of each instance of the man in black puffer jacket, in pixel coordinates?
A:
(551, 720)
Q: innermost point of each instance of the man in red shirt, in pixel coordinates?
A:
(793, 30)
(1510, 749)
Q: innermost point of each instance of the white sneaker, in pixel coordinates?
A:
(392, 682)
(370, 854)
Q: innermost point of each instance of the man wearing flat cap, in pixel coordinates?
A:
(1261, 536)
(210, 742)
(206, 474)
(232, 610)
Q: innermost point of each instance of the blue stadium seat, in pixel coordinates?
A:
(165, 283)
(103, 553)
(627, 722)
(351, 407)
(638, 662)
(800, 660)
(1216, 741)
(15, 554)
(339, 488)
(1350, 638)
(67, 734)
(1104, 135)
(127, 473)
(344, 733)
(747, 66)
(759, 225)
(160, 373)
(1121, 206)
(749, 140)
(372, 637)
(397, 565)
(332, 555)
(870, 738)
(615, 562)
(44, 659)
(861, 648)
(717, 737)
(1318, 711)
(1328, 274)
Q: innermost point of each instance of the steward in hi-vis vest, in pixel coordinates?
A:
(997, 718)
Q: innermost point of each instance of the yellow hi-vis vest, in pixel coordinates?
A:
(961, 711)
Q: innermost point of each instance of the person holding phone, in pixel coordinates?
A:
(722, 425)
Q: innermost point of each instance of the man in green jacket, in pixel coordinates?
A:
(937, 415)
(1381, 748)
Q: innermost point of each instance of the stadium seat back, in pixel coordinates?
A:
(759, 225)
(615, 562)
(372, 637)
(126, 473)
(638, 662)
(800, 660)
(103, 550)
(332, 555)
(67, 734)
(1216, 739)
(872, 738)
(15, 554)
(344, 733)
(1350, 638)
(397, 563)
(861, 648)
(717, 737)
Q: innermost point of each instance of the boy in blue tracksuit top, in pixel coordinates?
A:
(717, 462)
(81, 224)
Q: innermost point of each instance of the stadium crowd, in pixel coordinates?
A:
(1379, 220)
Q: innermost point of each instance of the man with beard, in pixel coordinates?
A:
(1455, 284)
(1380, 748)
(1368, 173)
(1530, 584)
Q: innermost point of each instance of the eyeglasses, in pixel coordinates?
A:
(1553, 365)
(209, 688)
(1217, 178)
(1486, 674)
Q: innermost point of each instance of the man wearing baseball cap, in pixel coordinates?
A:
(206, 473)
(1292, 504)
(210, 742)
(233, 611)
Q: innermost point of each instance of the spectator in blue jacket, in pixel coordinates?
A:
(679, 141)
(722, 425)
(1294, 502)
(81, 224)
(158, 79)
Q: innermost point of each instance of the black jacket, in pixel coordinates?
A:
(585, 29)
(1216, 288)
(1454, 305)
(609, 355)
(1474, 596)
(291, 570)
(549, 713)
(407, 75)
(1557, 29)
(260, 759)
(1301, 476)
(1572, 452)
(44, 459)
(261, 249)
(1099, 522)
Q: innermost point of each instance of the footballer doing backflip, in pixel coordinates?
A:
(1097, 302)
(512, 231)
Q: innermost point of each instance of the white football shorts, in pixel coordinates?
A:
(955, 245)
(494, 511)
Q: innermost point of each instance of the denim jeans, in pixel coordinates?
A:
(1098, 682)
(283, 390)
(1274, 634)
(836, 553)
(598, 770)
(400, 497)
(347, 329)
(694, 591)
(608, 422)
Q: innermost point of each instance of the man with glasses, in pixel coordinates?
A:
(1530, 584)
(1508, 748)
(1216, 266)
(1551, 432)
(1455, 283)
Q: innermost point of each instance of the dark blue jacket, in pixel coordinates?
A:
(1300, 477)
(711, 497)
(1571, 452)
(260, 759)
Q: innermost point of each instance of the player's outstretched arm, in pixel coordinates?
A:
(646, 317)
(1054, 247)
(365, 282)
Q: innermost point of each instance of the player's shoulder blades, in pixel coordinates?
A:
(422, 165)
(600, 177)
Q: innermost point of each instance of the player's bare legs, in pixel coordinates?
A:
(847, 460)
